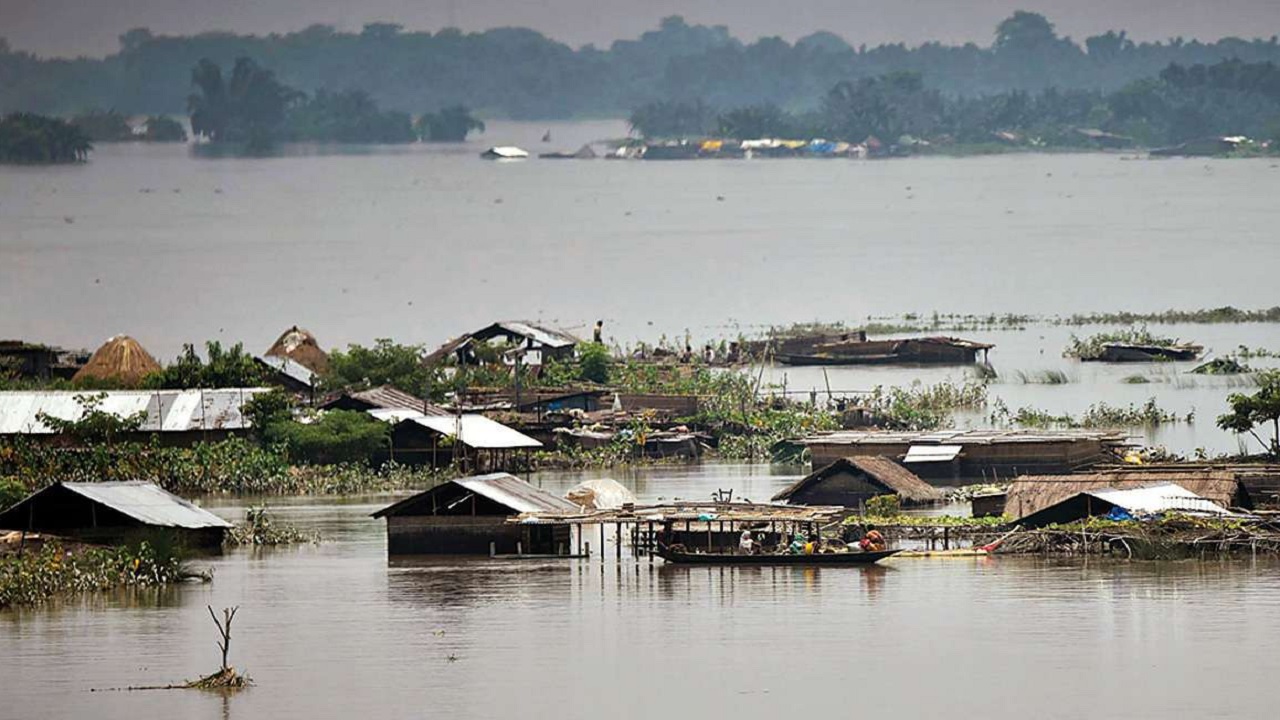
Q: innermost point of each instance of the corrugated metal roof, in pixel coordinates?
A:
(476, 431)
(143, 501)
(166, 410)
(515, 493)
(541, 334)
(1166, 497)
(503, 488)
(290, 368)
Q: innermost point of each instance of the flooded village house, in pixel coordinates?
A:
(469, 516)
(852, 481)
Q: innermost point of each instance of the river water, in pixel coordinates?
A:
(337, 631)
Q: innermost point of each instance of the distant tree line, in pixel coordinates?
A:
(112, 126)
(1181, 104)
(520, 73)
(251, 107)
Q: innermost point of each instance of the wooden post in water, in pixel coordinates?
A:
(619, 539)
(652, 540)
(493, 549)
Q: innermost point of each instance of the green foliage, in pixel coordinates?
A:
(229, 368)
(1099, 415)
(34, 577)
(450, 124)
(923, 407)
(12, 491)
(882, 506)
(348, 117)
(594, 362)
(162, 128)
(385, 363)
(335, 437)
(94, 425)
(103, 126)
(247, 108)
(34, 140)
(1259, 409)
(264, 410)
(668, 119)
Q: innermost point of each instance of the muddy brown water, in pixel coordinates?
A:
(337, 631)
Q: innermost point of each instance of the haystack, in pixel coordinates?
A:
(301, 347)
(120, 359)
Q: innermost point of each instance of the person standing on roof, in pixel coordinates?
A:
(597, 336)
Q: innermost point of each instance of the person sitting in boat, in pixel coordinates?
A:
(873, 541)
(798, 543)
(746, 545)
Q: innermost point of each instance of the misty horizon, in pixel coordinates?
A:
(40, 27)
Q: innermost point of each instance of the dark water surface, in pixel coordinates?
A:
(335, 631)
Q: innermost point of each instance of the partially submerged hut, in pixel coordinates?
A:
(121, 359)
(468, 516)
(383, 397)
(1152, 500)
(852, 481)
(114, 512)
(301, 347)
(1031, 494)
(956, 456)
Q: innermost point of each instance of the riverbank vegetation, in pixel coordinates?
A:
(27, 139)
(1100, 415)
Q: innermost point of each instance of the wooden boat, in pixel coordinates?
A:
(682, 557)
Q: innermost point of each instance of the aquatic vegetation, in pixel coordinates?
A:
(1043, 377)
(1091, 347)
(260, 527)
(33, 577)
(1098, 416)
(1225, 314)
(922, 407)
(1244, 352)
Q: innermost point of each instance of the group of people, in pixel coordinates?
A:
(749, 544)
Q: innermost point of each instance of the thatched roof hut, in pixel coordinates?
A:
(1033, 493)
(120, 359)
(853, 480)
(301, 347)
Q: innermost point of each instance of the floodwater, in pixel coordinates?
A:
(336, 631)
(420, 243)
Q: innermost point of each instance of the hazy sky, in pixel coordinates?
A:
(90, 27)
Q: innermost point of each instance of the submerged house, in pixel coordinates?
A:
(1152, 500)
(851, 481)
(469, 516)
(957, 456)
(854, 348)
(536, 344)
(1031, 495)
(114, 512)
(19, 359)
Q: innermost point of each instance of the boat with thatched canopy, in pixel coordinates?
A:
(121, 360)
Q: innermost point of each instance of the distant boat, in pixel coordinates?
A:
(504, 152)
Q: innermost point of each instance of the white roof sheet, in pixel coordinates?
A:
(166, 410)
(1166, 497)
(515, 493)
(475, 431)
(932, 453)
(148, 503)
(289, 368)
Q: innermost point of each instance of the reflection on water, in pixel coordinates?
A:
(337, 630)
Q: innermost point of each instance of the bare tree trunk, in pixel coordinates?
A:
(224, 629)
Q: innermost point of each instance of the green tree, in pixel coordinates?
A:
(351, 117)
(385, 363)
(103, 126)
(249, 108)
(669, 119)
(94, 425)
(34, 139)
(450, 124)
(594, 362)
(162, 128)
(756, 121)
(1024, 32)
(335, 437)
(264, 410)
(12, 491)
(231, 367)
(1259, 409)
